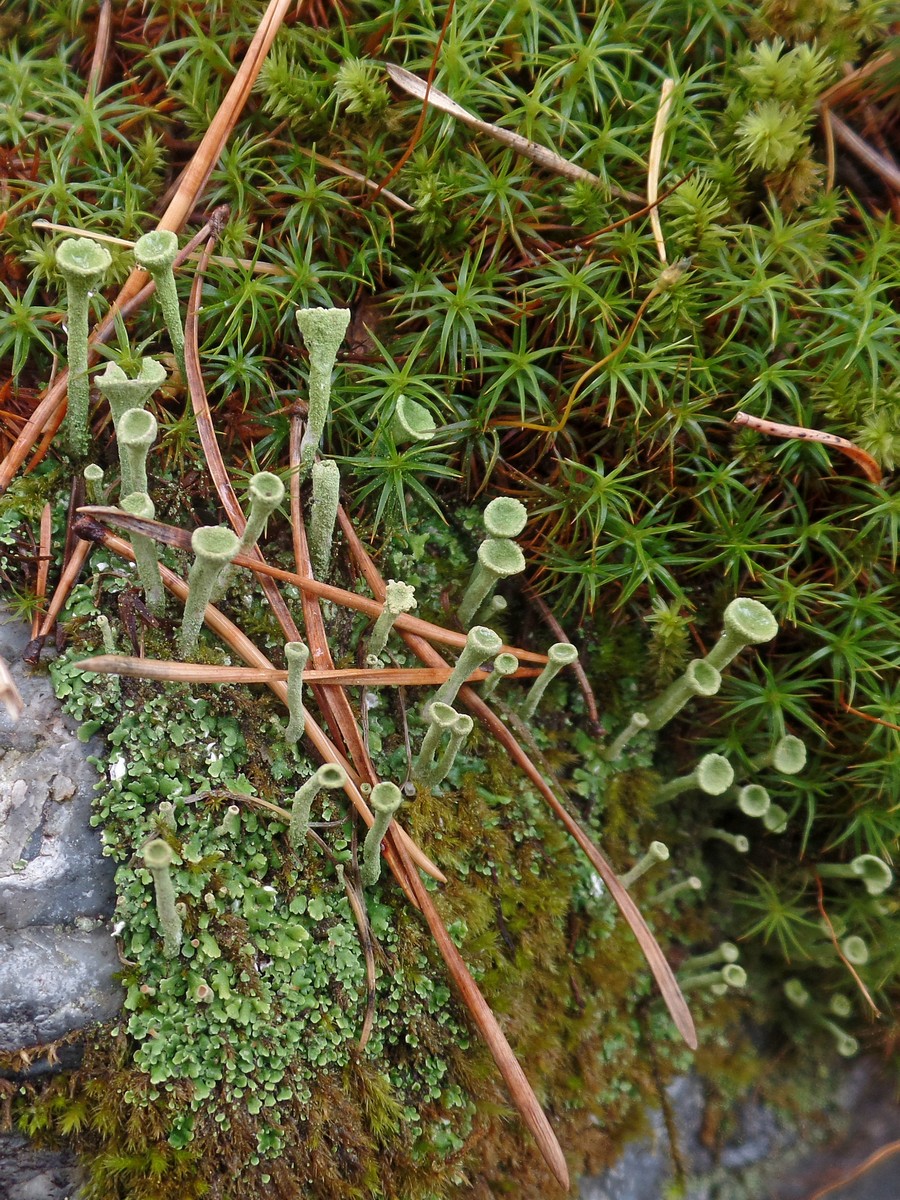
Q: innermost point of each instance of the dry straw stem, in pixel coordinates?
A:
(171, 535)
(241, 644)
(540, 154)
(661, 970)
(180, 207)
(870, 467)
(67, 581)
(182, 672)
(654, 163)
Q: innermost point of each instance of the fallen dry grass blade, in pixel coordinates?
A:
(66, 583)
(179, 672)
(654, 163)
(656, 960)
(226, 493)
(869, 466)
(171, 535)
(250, 653)
(532, 150)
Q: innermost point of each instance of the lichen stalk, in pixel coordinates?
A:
(326, 488)
(712, 775)
(498, 558)
(636, 724)
(214, 547)
(874, 873)
(156, 252)
(736, 841)
(441, 719)
(560, 654)
(158, 858)
(725, 952)
(504, 665)
(481, 644)
(399, 598)
(146, 559)
(83, 265)
(657, 852)
(699, 679)
(323, 331)
(123, 394)
(746, 623)
(329, 776)
(297, 656)
(459, 731)
(93, 482)
(264, 493)
(136, 434)
(385, 800)
(691, 884)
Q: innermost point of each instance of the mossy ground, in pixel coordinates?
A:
(487, 303)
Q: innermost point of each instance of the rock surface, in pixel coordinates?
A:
(56, 890)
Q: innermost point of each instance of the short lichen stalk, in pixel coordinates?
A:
(158, 859)
(93, 482)
(699, 679)
(732, 975)
(657, 852)
(297, 656)
(230, 825)
(323, 331)
(498, 558)
(746, 623)
(691, 884)
(264, 493)
(399, 598)
(874, 873)
(481, 644)
(156, 252)
(214, 547)
(136, 434)
(441, 720)
(505, 517)
(329, 776)
(560, 654)
(385, 800)
(412, 422)
(459, 731)
(725, 952)
(788, 756)
(504, 665)
(736, 841)
(139, 504)
(326, 489)
(637, 723)
(712, 775)
(83, 265)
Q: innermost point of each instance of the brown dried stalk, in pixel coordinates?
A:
(178, 672)
(870, 467)
(661, 970)
(171, 535)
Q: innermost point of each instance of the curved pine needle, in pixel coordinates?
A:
(870, 467)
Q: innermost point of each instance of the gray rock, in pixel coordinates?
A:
(29, 1174)
(57, 957)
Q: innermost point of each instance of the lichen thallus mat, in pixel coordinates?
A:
(221, 553)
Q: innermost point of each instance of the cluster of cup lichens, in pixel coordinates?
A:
(83, 264)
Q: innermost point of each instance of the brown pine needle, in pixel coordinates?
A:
(181, 672)
(40, 589)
